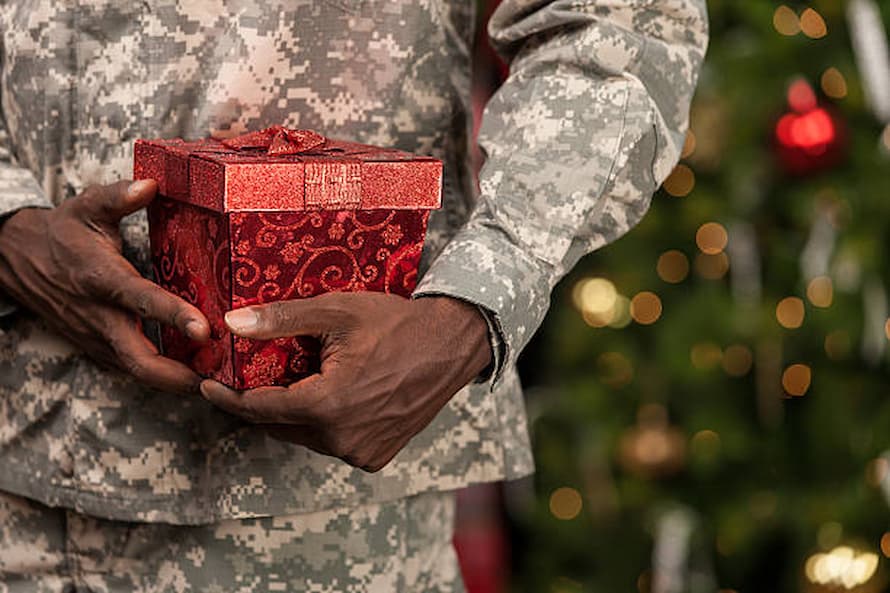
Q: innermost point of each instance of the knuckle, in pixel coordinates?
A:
(93, 279)
(143, 303)
(276, 316)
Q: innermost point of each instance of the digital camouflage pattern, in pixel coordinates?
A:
(401, 546)
(591, 119)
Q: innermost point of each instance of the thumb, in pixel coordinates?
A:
(110, 203)
(316, 317)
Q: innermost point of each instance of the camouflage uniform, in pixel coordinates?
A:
(591, 119)
(379, 547)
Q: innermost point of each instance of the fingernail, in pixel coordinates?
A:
(242, 319)
(138, 186)
(193, 329)
(203, 388)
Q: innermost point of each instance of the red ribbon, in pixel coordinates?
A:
(278, 140)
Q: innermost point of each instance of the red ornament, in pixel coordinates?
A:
(810, 138)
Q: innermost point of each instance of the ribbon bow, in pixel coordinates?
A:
(278, 140)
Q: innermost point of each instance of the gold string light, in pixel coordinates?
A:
(790, 312)
(705, 444)
(876, 471)
(841, 569)
(645, 308)
(796, 379)
(705, 355)
(680, 182)
(737, 360)
(837, 344)
(688, 145)
(885, 544)
(786, 21)
(565, 503)
(711, 238)
(833, 83)
(672, 266)
(615, 369)
(812, 24)
(711, 267)
(620, 313)
(595, 298)
(820, 291)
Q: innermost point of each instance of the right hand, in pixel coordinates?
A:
(65, 264)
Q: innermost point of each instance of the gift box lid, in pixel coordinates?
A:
(281, 169)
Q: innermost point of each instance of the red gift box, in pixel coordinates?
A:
(275, 215)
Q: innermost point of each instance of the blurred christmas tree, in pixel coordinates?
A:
(709, 396)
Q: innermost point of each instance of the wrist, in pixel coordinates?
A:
(463, 326)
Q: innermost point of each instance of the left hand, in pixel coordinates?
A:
(388, 365)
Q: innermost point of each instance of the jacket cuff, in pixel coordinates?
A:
(483, 266)
(19, 189)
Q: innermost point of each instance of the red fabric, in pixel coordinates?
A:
(224, 261)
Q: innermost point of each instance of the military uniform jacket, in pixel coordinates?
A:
(590, 120)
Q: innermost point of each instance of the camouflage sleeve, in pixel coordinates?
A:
(18, 189)
(590, 121)
(18, 186)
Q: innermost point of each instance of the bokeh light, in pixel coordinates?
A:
(705, 444)
(786, 21)
(688, 145)
(801, 97)
(796, 379)
(596, 298)
(620, 312)
(737, 360)
(885, 544)
(615, 369)
(680, 182)
(711, 238)
(812, 24)
(672, 266)
(833, 83)
(841, 569)
(876, 471)
(837, 344)
(565, 503)
(790, 312)
(711, 267)
(645, 308)
(705, 355)
(820, 291)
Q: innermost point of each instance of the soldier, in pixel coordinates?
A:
(116, 475)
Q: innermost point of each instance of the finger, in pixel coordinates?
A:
(117, 282)
(148, 300)
(138, 357)
(296, 404)
(110, 203)
(307, 317)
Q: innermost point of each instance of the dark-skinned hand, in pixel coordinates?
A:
(388, 365)
(65, 264)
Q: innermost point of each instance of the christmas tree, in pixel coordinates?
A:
(709, 395)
